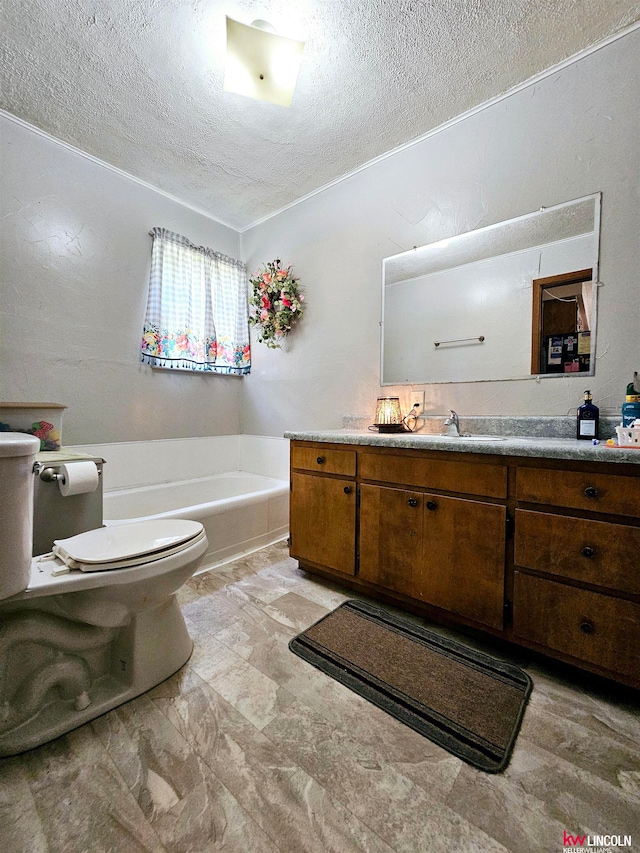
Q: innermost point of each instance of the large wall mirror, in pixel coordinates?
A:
(507, 301)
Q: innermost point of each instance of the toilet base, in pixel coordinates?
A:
(130, 661)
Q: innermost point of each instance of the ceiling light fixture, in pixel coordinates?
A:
(260, 63)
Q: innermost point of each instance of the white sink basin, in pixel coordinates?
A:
(480, 438)
(472, 437)
(433, 436)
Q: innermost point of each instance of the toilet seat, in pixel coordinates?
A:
(123, 546)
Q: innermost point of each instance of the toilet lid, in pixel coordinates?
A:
(123, 545)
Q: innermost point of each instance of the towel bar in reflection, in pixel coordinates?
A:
(480, 338)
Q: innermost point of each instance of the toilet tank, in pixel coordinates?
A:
(56, 516)
(17, 456)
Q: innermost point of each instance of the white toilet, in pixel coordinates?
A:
(87, 629)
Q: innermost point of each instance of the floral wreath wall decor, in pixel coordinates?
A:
(276, 303)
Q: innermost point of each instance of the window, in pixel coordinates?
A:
(197, 308)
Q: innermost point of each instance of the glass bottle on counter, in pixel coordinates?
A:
(588, 419)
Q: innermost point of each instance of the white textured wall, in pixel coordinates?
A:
(75, 256)
(572, 134)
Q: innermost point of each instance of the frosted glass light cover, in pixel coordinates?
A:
(260, 64)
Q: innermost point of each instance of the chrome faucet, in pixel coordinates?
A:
(452, 424)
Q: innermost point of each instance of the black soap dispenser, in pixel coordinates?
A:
(588, 419)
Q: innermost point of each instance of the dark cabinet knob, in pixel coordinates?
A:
(588, 552)
(413, 501)
(591, 492)
(320, 460)
(347, 490)
(431, 505)
(587, 627)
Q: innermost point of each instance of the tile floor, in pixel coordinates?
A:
(248, 748)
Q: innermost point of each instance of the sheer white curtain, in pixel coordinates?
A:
(197, 312)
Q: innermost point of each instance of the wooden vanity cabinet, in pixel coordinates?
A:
(577, 567)
(543, 553)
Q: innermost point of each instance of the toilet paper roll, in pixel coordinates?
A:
(77, 478)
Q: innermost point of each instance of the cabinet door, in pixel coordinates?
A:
(323, 521)
(600, 629)
(594, 552)
(462, 567)
(390, 536)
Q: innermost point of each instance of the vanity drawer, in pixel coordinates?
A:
(594, 552)
(598, 492)
(591, 627)
(325, 461)
(487, 480)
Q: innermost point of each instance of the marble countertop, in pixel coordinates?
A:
(532, 446)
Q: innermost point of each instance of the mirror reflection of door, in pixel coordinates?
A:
(561, 323)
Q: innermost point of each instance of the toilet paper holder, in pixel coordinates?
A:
(49, 475)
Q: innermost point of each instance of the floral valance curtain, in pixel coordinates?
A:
(197, 313)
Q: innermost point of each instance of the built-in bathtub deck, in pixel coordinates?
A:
(236, 486)
(214, 493)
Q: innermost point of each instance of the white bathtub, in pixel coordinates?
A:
(237, 486)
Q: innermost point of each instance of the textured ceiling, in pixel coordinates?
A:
(138, 83)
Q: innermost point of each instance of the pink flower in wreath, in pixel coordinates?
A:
(264, 315)
(267, 277)
(281, 274)
(265, 301)
(285, 299)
